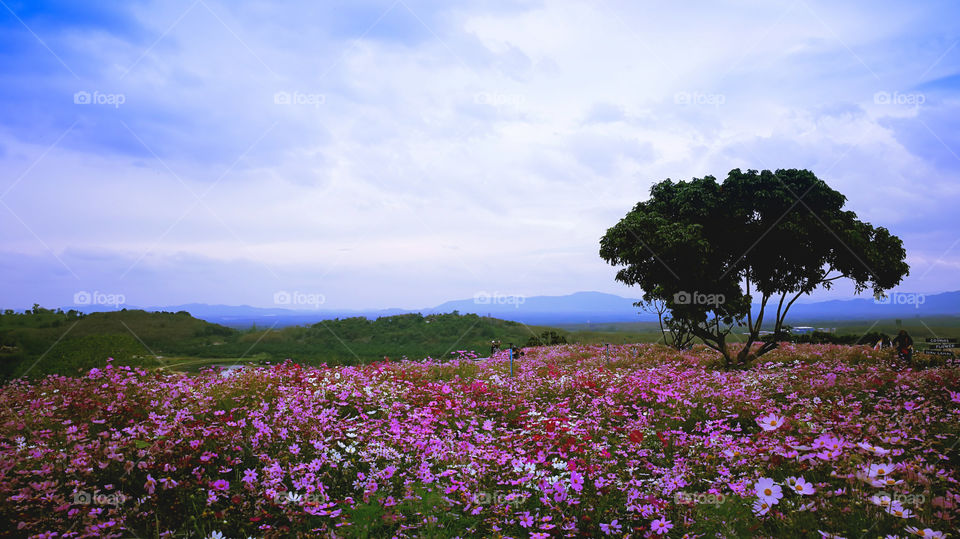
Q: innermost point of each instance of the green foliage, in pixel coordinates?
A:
(42, 341)
(709, 250)
(435, 516)
(72, 356)
(547, 338)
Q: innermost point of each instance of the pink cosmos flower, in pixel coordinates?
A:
(828, 442)
(220, 484)
(249, 476)
(613, 527)
(661, 526)
(770, 422)
(150, 485)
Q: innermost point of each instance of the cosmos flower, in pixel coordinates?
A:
(800, 486)
(879, 470)
(926, 532)
(899, 511)
(611, 528)
(883, 501)
(339, 437)
(768, 491)
(761, 507)
(220, 484)
(770, 422)
(661, 526)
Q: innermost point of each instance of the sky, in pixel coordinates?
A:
(368, 154)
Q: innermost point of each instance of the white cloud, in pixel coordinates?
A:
(456, 149)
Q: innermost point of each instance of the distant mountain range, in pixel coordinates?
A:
(577, 308)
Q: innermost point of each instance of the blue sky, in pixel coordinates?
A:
(404, 153)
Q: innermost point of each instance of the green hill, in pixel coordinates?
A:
(42, 341)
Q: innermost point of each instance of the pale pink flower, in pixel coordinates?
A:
(768, 491)
(770, 422)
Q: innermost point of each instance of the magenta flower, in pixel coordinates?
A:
(661, 526)
(220, 485)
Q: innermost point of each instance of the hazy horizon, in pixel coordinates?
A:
(403, 154)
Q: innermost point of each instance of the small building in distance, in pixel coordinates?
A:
(800, 330)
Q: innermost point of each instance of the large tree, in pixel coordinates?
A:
(741, 252)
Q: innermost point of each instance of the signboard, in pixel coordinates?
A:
(940, 340)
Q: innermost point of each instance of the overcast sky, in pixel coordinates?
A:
(403, 153)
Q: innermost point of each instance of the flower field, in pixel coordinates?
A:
(813, 441)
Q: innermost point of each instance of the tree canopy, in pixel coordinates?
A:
(715, 252)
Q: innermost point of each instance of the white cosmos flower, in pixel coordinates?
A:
(879, 470)
(768, 491)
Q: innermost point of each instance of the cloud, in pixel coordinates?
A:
(405, 153)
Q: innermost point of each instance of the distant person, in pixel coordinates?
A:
(494, 347)
(517, 352)
(904, 346)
